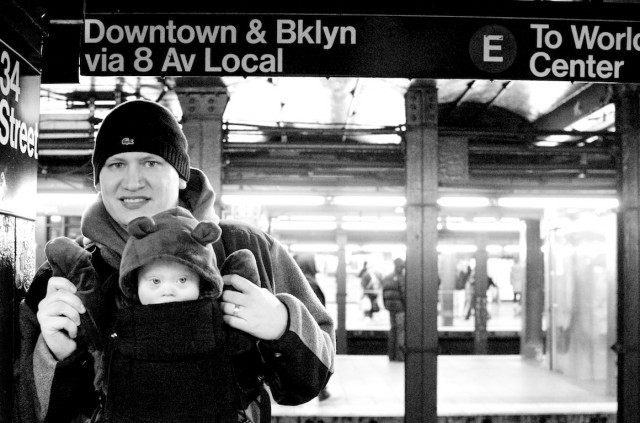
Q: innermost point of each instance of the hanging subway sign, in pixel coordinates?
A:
(364, 46)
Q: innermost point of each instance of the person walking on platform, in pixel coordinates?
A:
(393, 298)
(141, 167)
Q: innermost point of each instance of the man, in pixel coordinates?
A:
(393, 297)
(141, 167)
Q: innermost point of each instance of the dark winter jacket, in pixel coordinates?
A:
(296, 366)
(393, 289)
(307, 264)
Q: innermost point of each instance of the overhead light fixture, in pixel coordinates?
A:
(464, 202)
(380, 226)
(308, 218)
(55, 218)
(483, 227)
(559, 202)
(374, 219)
(547, 143)
(64, 152)
(456, 248)
(54, 202)
(494, 249)
(396, 250)
(369, 201)
(287, 225)
(314, 248)
(274, 200)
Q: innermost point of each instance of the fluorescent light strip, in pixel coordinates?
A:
(483, 227)
(456, 248)
(373, 226)
(464, 202)
(315, 248)
(297, 218)
(369, 201)
(397, 201)
(48, 202)
(395, 249)
(283, 225)
(274, 200)
(470, 248)
(558, 202)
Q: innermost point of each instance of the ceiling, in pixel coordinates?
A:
(326, 134)
(331, 134)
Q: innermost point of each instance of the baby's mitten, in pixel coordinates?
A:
(243, 348)
(241, 263)
(69, 260)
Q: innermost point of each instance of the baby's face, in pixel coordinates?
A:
(166, 282)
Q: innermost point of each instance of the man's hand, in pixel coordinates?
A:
(252, 309)
(59, 317)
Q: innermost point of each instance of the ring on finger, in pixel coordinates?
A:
(236, 309)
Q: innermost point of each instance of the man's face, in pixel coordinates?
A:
(167, 282)
(138, 184)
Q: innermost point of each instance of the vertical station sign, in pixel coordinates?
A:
(457, 47)
(19, 115)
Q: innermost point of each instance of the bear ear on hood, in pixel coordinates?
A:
(141, 227)
(206, 233)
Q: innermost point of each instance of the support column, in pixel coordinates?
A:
(627, 104)
(421, 366)
(532, 336)
(203, 101)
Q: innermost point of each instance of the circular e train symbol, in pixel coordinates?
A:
(493, 48)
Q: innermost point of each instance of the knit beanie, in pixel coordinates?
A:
(141, 126)
(173, 235)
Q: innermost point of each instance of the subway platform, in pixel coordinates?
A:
(482, 389)
(471, 388)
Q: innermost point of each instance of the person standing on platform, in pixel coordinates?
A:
(370, 288)
(469, 294)
(307, 263)
(141, 167)
(393, 298)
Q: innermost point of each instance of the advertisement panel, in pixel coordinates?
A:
(370, 46)
(19, 114)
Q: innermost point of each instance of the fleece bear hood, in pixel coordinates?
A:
(172, 235)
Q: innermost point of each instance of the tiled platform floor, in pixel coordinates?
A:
(371, 386)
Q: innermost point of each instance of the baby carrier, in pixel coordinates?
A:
(171, 363)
